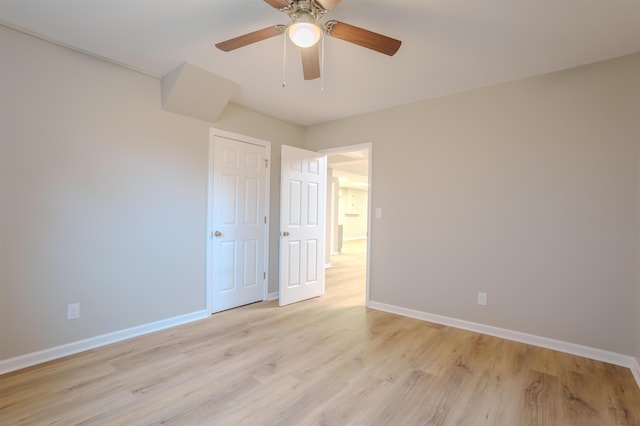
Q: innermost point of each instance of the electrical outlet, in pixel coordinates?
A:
(73, 311)
(482, 299)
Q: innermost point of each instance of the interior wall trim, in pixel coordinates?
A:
(517, 336)
(635, 369)
(27, 360)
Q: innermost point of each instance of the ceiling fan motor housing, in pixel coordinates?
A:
(304, 7)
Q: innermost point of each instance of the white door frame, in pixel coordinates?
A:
(368, 146)
(209, 234)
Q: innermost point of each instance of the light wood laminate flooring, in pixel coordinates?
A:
(326, 361)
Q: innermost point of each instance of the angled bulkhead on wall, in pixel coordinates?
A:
(195, 92)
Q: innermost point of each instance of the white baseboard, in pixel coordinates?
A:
(23, 361)
(273, 296)
(635, 369)
(544, 342)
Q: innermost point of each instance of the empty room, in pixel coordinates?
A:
(320, 212)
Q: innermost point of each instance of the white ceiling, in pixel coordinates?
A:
(448, 46)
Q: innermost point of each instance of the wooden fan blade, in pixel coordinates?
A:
(328, 4)
(365, 38)
(310, 63)
(278, 4)
(249, 38)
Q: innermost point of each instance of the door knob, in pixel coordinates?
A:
(218, 234)
(285, 234)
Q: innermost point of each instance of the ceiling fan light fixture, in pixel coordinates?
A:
(304, 31)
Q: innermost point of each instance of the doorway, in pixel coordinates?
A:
(348, 218)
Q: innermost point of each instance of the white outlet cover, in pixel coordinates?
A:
(73, 311)
(482, 299)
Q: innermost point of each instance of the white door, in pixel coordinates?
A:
(238, 221)
(302, 221)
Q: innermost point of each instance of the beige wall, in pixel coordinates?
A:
(527, 191)
(532, 186)
(103, 196)
(638, 273)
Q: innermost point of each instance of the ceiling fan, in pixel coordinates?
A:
(305, 30)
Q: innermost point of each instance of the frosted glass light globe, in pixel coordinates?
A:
(304, 34)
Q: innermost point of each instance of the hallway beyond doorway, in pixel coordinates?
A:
(346, 279)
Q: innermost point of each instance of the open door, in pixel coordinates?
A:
(302, 224)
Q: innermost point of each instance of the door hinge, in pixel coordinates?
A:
(266, 163)
(264, 275)
(265, 219)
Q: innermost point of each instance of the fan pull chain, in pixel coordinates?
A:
(284, 62)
